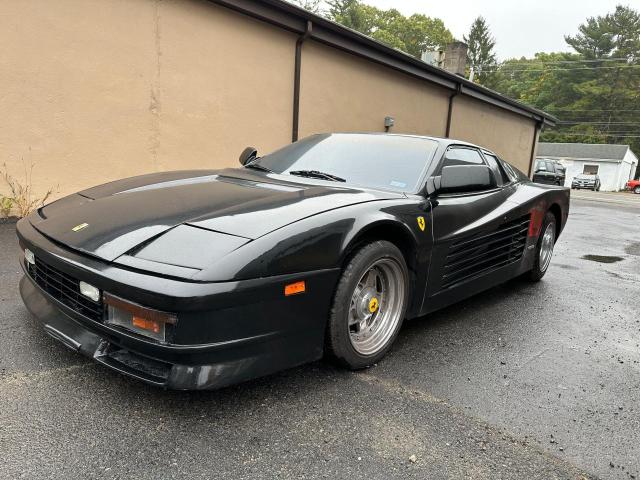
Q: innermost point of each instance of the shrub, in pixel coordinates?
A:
(21, 193)
(6, 205)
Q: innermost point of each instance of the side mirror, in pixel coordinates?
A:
(466, 178)
(247, 155)
(432, 186)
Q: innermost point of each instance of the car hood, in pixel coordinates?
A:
(112, 219)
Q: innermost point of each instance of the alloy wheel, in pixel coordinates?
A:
(546, 247)
(376, 306)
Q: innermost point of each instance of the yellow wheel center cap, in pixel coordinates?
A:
(373, 304)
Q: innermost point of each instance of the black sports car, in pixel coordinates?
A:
(199, 279)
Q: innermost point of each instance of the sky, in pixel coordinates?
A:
(520, 27)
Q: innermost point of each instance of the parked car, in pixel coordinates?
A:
(589, 182)
(549, 171)
(199, 279)
(634, 186)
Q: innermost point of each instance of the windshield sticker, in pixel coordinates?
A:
(396, 184)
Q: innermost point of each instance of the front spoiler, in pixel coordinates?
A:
(244, 359)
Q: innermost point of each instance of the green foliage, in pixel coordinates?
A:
(412, 35)
(22, 196)
(595, 92)
(481, 55)
(311, 5)
(615, 34)
(6, 205)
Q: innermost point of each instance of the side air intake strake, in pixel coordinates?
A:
(479, 254)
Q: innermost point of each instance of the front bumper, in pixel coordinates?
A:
(227, 332)
(231, 362)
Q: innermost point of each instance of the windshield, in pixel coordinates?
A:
(378, 161)
(586, 177)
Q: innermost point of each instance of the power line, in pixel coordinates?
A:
(589, 122)
(544, 62)
(558, 109)
(598, 67)
(623, 135)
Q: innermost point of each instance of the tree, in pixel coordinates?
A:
(413, 34)
(595, 92)
(312, 5)
(480, 52)
(352, 14)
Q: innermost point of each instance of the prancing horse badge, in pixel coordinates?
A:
(421, 223)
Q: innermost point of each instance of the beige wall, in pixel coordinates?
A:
(506, 133)
(94, 90)
(341, 92)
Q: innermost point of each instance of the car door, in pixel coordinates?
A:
(555, 177)
(460, 222)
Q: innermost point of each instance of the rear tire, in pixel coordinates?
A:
(637, 190)
(544, 248)
(368, 307)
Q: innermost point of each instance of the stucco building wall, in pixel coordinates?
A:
(95, 90)
(508, 134)
(341, 92)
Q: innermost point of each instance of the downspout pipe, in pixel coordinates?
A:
(536, 135)
(296, 80)
(454, 94)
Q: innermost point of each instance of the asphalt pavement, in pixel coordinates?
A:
(535, 381)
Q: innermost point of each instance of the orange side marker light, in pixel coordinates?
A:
(294, 288)
(145, 324)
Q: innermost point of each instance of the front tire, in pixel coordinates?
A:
(544, 248)
(368, 307)
(637, 190)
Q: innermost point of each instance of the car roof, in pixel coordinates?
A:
(442, 140)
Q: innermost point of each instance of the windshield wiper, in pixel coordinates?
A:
(257, 166)
(317, 174)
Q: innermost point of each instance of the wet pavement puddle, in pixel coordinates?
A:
(602, 258)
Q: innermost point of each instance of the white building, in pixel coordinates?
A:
(614, 164)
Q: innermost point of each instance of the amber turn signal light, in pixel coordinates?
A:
(145, 324)
(294, 288)
(142, 320)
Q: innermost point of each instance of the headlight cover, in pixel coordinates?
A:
(138, 319)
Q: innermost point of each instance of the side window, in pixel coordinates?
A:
(462, 156)
(466, 157)
(498, 172)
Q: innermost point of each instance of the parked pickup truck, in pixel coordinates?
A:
(634, 186)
